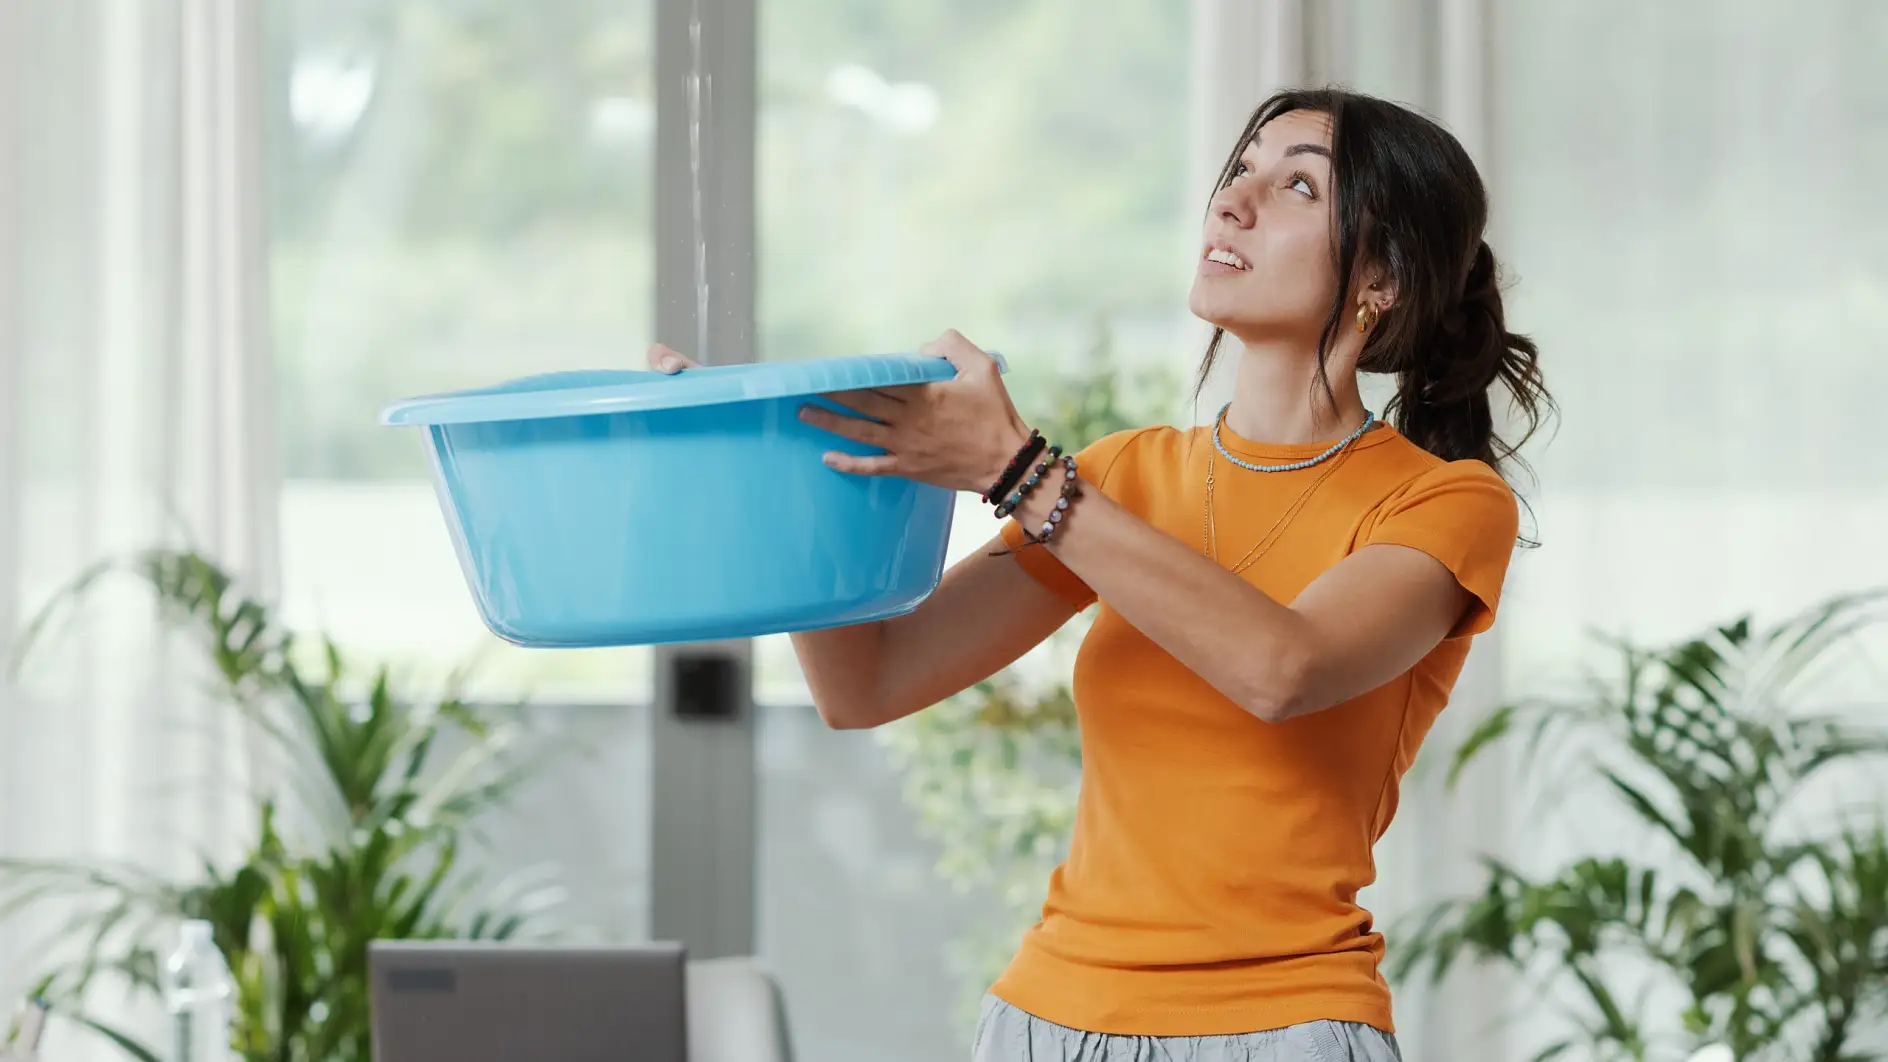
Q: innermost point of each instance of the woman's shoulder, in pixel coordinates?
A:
(1468, 495)
(1130, 452)
(1415, 470)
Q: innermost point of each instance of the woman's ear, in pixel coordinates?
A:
(1377, 289)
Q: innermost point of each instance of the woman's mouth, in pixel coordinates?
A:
(1222, 260)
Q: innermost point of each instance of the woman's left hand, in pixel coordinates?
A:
(958, 434)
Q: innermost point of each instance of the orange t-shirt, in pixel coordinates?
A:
(1211, 882)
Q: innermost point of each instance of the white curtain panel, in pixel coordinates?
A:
(1696, 236)
(135, 410)
(1686, 199)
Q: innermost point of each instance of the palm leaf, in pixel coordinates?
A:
(123, 1041)
(1779, 938)
(381, 816)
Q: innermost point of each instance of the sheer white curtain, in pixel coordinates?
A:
(1686, 199)
(1697, 239)
(134, 411)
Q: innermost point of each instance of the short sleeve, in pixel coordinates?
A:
(1465, 516)
(1098, 465)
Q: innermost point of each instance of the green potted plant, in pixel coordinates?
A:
(1769, 921)
(361, 836)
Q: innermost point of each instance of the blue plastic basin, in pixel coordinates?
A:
(611, 508)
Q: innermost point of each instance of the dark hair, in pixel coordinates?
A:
(1408, 197)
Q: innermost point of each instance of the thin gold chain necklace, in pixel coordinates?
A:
(1209, 533)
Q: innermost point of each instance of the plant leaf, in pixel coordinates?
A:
(123, 1041)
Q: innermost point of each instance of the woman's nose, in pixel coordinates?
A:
(1233, 206)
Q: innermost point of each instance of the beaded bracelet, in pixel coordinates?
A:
(1007, 481)
(1022, 489)
(1071, 490)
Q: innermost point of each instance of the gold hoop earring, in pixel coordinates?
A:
(1366, 317)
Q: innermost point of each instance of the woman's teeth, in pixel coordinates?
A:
(1226, 258)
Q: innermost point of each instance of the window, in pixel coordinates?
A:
(1016, 171)
(460, 194)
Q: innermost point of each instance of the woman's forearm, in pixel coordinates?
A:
(873, 673)
(1257, 652)
(842, 667)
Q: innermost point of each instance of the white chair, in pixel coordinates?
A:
(736, 1013)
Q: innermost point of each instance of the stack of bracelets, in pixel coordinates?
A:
(1018, 480)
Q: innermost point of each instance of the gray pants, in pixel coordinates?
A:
(1006, 1034)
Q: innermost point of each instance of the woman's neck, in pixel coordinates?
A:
(1278, 398)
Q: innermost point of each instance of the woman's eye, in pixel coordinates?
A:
(1302, 186)
(1240, 169)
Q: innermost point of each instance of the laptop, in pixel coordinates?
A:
(477, 1001)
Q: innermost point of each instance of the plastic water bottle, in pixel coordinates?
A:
(199, 993)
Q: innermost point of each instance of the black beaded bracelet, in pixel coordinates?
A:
(1014, 472)
(1029, 484)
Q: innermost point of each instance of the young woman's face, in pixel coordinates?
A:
(1265, 269)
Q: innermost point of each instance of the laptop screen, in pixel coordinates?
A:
(474, 1001)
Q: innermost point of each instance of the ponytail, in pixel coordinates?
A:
(1442, 401)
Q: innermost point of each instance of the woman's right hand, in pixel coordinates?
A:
(662, 359)
(871, 673)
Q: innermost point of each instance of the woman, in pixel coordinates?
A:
(1286, 598)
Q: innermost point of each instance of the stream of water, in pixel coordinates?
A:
(698, 86)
